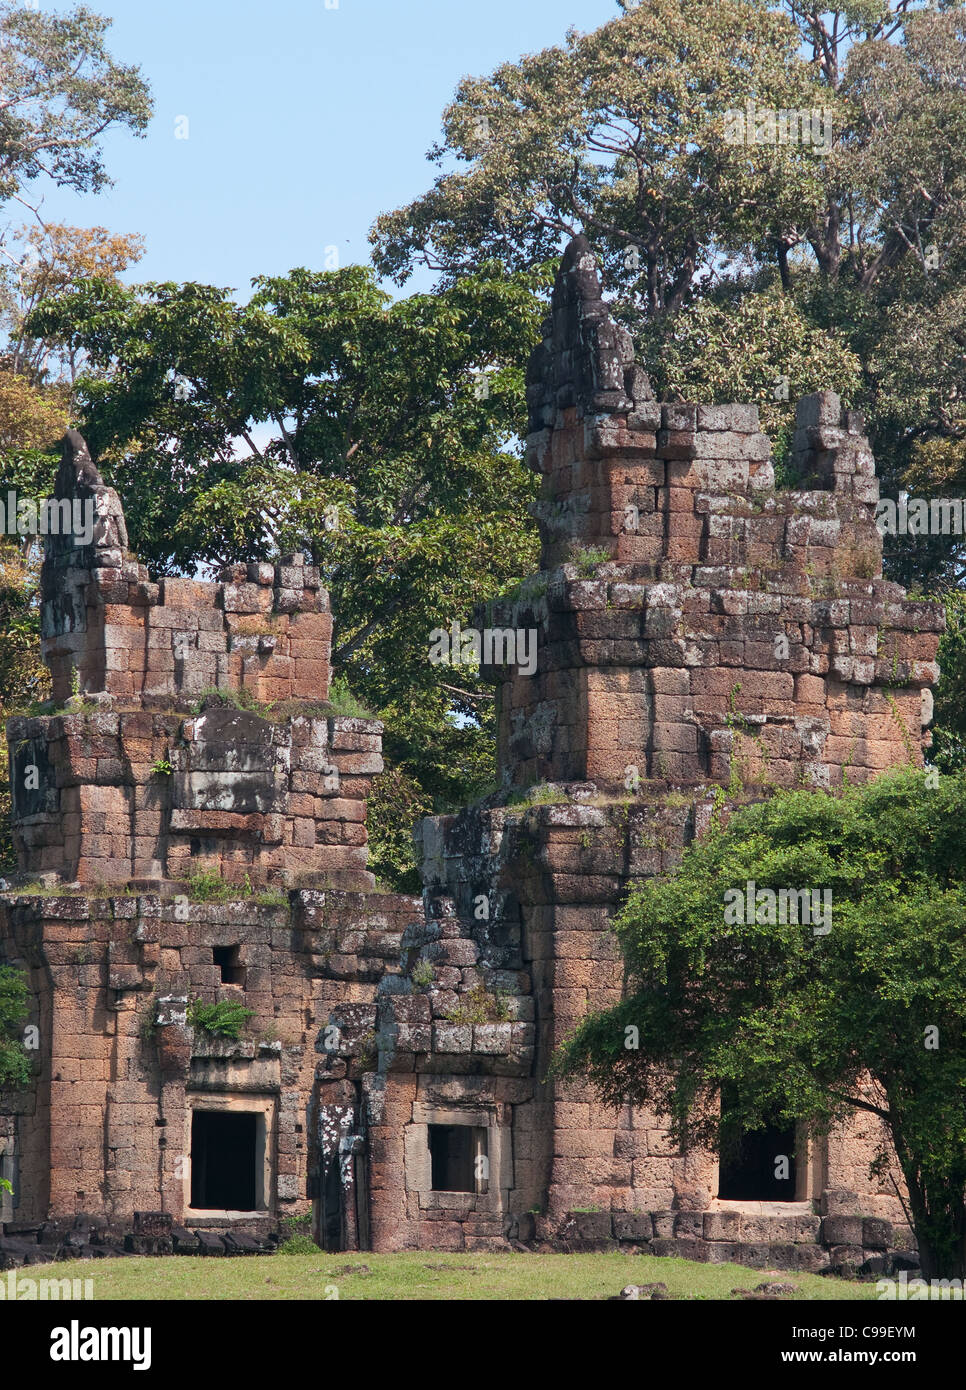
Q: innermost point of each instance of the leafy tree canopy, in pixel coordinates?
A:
(31, 421)
(619, 133)
(949, 730)
(61, 90)
(14, 1061)
(54, 256)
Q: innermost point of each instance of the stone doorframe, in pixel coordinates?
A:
(262, 1106)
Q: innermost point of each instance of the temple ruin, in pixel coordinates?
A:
(699, 635)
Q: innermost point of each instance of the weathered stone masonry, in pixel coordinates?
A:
(147, 778)
(697, 630)
(737, 638)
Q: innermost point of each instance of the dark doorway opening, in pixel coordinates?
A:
(224, 1147)
(228, 960)
(459, 1158)
(757, 1164)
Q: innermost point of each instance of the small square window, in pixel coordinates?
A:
(228, 960)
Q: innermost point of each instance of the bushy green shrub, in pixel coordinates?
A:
(226, 1019)
(14, 1005)
(207, 886)
(298, 1245)
(344, 704)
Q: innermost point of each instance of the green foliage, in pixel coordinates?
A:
(949, 729)
(744, 343)
(298, 1245)
(226, 1019)
(787, 1023)
(743, 269)
(62, 91)
(295, 1225)
(540, 794)
(272, 898)
(24, 680)
(242, 699)
(479, 1005)
(14, 1007)
(149, 1021)
(588, 558)
(396, 803)
(161, 767)
(344, 704)
(445, 1278)
(389, 465)
(423, 974)
(208, 886)
(619, 132)
(367, 1053)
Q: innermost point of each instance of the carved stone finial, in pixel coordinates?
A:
(77, 468)
(586, 359)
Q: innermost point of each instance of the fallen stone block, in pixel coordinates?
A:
(210, 1243)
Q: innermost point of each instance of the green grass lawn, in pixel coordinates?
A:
(424, 1275)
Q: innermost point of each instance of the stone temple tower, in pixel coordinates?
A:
(696, 631)
(697, 634)
(190, 823)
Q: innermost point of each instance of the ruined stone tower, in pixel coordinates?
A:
(696, 631)
(191, 825)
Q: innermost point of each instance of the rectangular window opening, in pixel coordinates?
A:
(459, 1156)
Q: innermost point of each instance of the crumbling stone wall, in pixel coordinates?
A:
(140, 787)
(736, 629)
(133, 794)
(139, 779)
(106, 628)
(106, 1126)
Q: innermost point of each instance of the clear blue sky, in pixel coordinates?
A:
(304, 122)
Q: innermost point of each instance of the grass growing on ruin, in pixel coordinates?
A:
(341, 704)
(426, 1275)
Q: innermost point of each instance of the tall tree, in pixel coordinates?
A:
(620, 133)
(49, 259)
(60, 91)
(29, 423)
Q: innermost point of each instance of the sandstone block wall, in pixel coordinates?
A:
(196, 746)
(243, 796)
(735, 629)
(106, 1127)
(145, 777)
(106, 628)
(697, 630)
